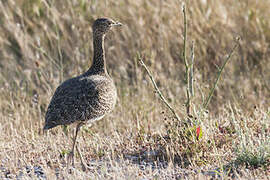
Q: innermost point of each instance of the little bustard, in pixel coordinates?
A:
(87, 97)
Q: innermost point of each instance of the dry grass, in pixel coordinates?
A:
(43, 42)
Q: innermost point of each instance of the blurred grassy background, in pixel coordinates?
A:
(43, 42)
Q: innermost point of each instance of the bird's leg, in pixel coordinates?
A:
(84, 166)
(71, 154)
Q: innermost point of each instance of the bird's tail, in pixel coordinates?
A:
(48, 126)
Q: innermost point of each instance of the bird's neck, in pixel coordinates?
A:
(99, 62)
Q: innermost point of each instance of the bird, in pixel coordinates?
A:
(88, 97)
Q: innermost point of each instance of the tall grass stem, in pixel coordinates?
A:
(157, 89)
(219, 73)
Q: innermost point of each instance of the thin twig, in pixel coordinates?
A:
(219, 74)
(188, 68)
(185, 40)
(190, 88)
(192, 56)
(157, 89)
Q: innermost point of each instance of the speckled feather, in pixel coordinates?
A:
(83, 98)
(87, 97)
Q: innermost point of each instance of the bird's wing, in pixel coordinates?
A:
(71, 101)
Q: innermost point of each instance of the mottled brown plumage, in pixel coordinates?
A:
(87, 97)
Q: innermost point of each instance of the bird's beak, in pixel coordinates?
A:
(116, 24)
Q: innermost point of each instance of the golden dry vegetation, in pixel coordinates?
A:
(44, 42)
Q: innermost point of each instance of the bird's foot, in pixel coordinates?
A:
(70, 158)
(83, 164)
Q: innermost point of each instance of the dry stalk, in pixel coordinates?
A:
(191, 87)
(205, 105)
(189, 68)
(157, 89)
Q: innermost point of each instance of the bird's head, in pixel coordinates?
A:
(103, 25)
